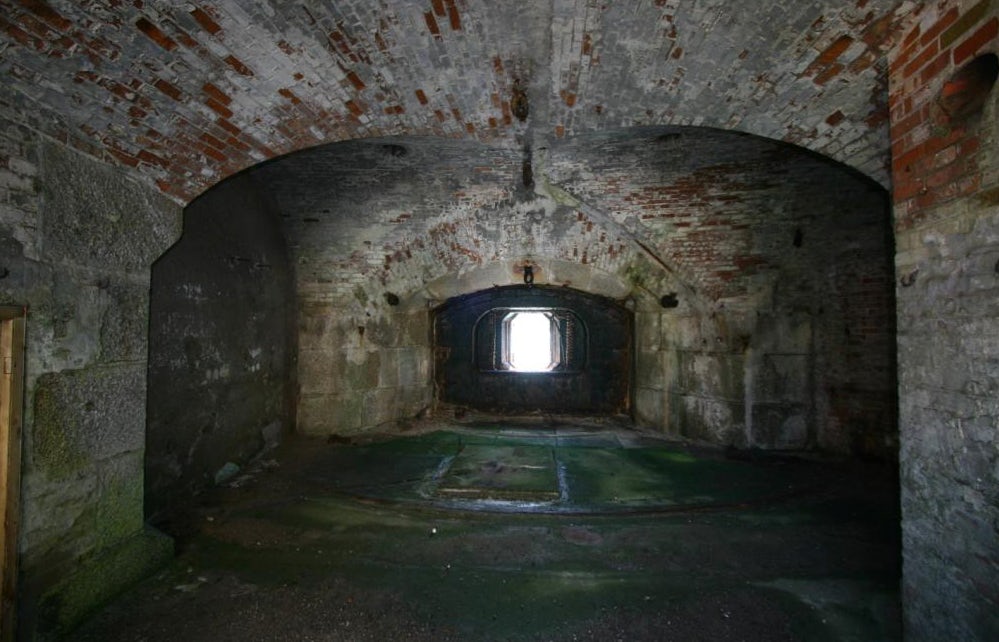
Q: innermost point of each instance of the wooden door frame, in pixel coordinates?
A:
(12, 320)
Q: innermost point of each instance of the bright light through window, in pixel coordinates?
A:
(530, 342)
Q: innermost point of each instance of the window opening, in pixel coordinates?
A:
(531, 342)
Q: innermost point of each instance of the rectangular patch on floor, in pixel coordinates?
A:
(506, 473)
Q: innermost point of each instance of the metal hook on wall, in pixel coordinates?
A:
(529, 275)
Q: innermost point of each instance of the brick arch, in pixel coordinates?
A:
(187, 95)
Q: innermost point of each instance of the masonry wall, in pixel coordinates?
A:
(76, 241)
(221, 344)
(779, 260)
(946, 199)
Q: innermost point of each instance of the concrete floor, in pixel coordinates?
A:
(459, 532)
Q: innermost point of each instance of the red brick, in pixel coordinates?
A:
(238, 66)
(20, 35)
(211, 140)
(965, 23)
(932, 70)
(206, 21)
(976, 41)
(123, 157)
(183, 36)
(432, 24)
(150, 158)
(290, 95)
(453, 16)
(355, 80)
(47, 13)
(422, 97)
(219, 108)
(36, 27)
(216, 93)
(924, 57)
(834, 51)
(213, 153)
(903, 190)
(942, 23)
(830, 72)
(946, 175)
(229, 127)
(903, 58)
(168, 89)
(155, 34)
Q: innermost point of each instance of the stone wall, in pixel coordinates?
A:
(77, 238)
(222, 344)
(779, 261)
(946, 175)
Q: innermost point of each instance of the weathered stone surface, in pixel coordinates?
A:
(124, 325)
(94, 215)
(89, 582)
(752, 236)
(85, 416)
(947, 237)
(84, 284)
(119, 513)
(220, 343)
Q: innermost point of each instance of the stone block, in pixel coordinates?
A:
(389, 365)
(649, 408)
(782, 377)
(330, 414)
(83, 416)
(648, 331)
(51, 609)
(382, 406)
(648, 368)
(58, 519)
(715, 374)
(416, 328)
(718, 421)
(779, 425)
(124, 325)
(318, 371)
(360, 370)
(94, 215)
(409, 367)
(119, 501)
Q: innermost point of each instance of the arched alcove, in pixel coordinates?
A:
(586, 339)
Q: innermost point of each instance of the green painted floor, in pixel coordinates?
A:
(492, 533)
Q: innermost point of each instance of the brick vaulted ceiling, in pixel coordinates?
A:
(188, 93)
